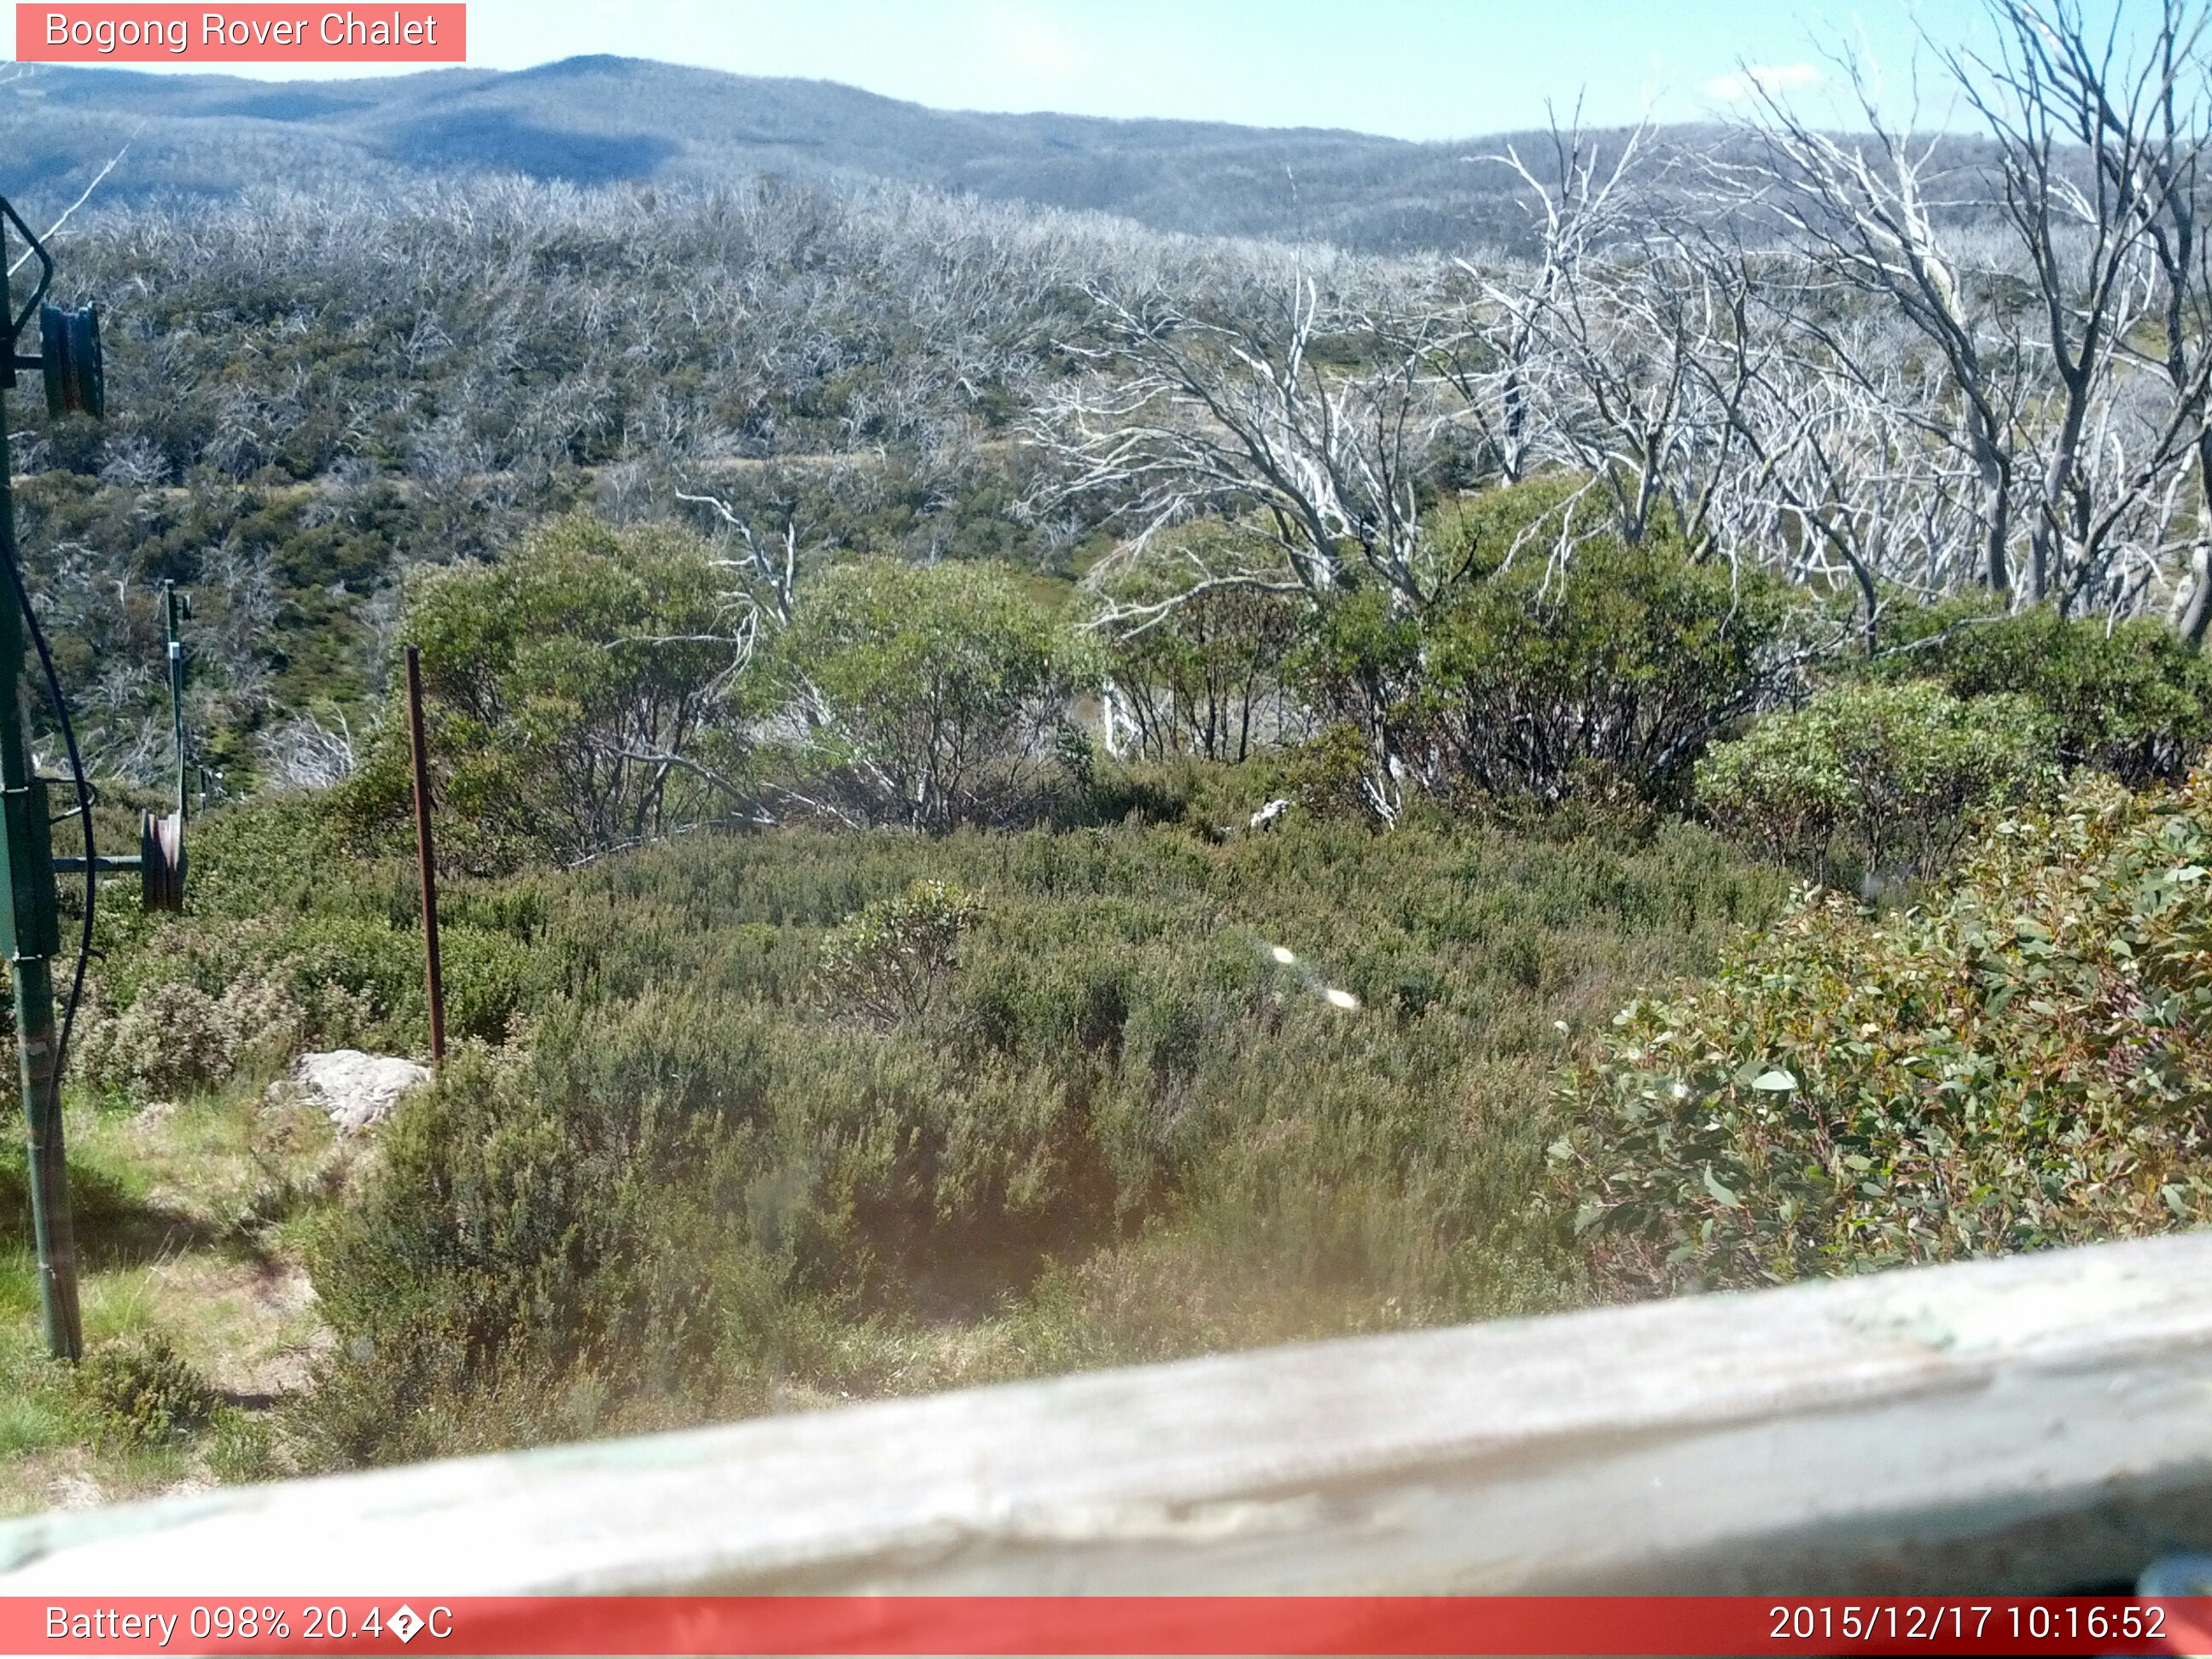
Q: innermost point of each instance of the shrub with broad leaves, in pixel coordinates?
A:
(2025, 1065)
(922, 695)
(1884, 775)
(2134, 699)
(1613, 675)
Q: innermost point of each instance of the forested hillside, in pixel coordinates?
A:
(1019, 791)
(597, 121)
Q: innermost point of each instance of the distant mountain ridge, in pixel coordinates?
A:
(601, 120)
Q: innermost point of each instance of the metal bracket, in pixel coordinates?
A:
(15, 325)
(29, 925)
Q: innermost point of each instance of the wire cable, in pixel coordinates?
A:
(84, 794)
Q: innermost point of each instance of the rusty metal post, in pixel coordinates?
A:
(427, 857)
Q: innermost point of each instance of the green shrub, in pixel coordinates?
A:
(142, 1393)
(1890, 772)
(1613, 674)
(1203, 676)
(2134, 700)
(1528, 677)
(576, 694)
(171, 1038)
(277, 854)
(1360, 666)
(1329, 773)
(330, 956)
(929, 695)
(195, 1002)
(242, 1447)
(527, 1225)
(667, 1204)
(890, 961)
(2025, 1065)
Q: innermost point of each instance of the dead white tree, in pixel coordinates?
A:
(2098, 151)
(2052, 268)
(1579, 202)
(1840, 479)
(763, 576)
(1651, 350)
(1869, 209)
(1305, 413)
(304, 753)
(1298, 411)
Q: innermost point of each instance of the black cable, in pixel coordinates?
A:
(83, 812)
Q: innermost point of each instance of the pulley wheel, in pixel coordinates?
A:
(77, 378)
(161, 861)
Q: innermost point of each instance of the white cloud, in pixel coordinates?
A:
(1755, 78)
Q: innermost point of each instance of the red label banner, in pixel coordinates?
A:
(1079, 1625)
(309, 34)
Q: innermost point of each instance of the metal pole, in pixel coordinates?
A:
(426, 858)
(176, 689)
(29, 931)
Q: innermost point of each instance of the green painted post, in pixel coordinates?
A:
(169, 605)
(30, 934)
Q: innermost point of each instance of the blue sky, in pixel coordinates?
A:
(1413, 69)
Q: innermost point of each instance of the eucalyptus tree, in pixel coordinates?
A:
(1619, 348)
(1869, 209)
(2098, 151)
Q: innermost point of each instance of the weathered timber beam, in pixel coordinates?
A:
(2035, 1423)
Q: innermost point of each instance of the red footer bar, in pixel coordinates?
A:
(1101, 1624)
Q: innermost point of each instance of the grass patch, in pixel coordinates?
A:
(199, 1322)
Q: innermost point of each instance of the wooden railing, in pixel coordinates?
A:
(2032, 1424)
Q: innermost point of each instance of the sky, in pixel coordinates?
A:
(1410, 69)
